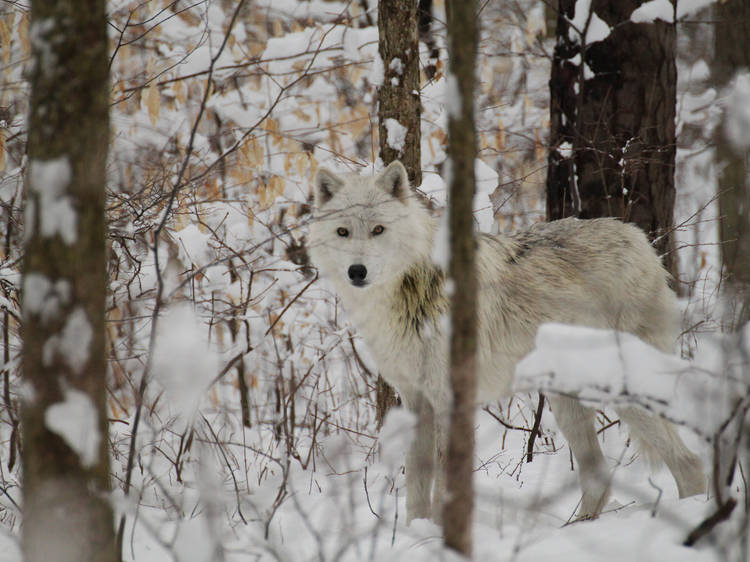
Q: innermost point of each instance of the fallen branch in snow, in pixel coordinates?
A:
(707, 525)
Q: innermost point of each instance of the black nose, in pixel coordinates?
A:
(357, 274)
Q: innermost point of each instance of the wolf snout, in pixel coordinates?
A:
(357, 274)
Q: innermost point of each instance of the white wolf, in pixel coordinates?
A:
(372, 238)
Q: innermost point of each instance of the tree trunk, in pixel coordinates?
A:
(462, 149)
(612, 120)
(732, 54)
(731, 443)
(398, 97)
(398, 106)
(67, 516)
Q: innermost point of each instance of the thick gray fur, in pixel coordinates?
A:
(600, 273)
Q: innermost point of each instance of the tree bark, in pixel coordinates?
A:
(612, 121)
(462, 149)
(398, 99)
(67, 516)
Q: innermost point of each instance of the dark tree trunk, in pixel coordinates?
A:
(67, 516)
(398, 99)
(612, 123)
(427, 36)
(462, 150)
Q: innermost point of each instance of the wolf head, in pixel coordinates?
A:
(367, 231)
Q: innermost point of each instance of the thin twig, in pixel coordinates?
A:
(503, 422)
(159, 279)
(535, 428)
(229, 468)
(367, 495)
(290, 303)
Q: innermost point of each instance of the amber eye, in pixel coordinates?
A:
(341, 231)
(378, 229)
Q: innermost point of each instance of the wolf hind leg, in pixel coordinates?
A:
(577, 425)
(660, 440)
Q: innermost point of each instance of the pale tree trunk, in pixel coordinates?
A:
(398, 102)
(731, 442)
(612, 121)
(67, 515)
(732, 55)
(462, 150)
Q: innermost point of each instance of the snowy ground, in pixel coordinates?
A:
(523, 511)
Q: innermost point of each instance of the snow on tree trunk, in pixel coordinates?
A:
(67, 515)
(462, 150)
(612, 118)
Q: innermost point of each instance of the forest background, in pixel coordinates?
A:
(258, 434)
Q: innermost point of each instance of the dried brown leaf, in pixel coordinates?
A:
(23, 34)
(2, 151)
(153, 102)
(6, 24)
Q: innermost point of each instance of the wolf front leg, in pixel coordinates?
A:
(576, 422)
(420, 461)
(442, 428)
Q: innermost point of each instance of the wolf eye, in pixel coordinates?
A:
(341, 231)
(379, 229)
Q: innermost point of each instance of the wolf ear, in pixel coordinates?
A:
(326, 185)
(394, 180)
